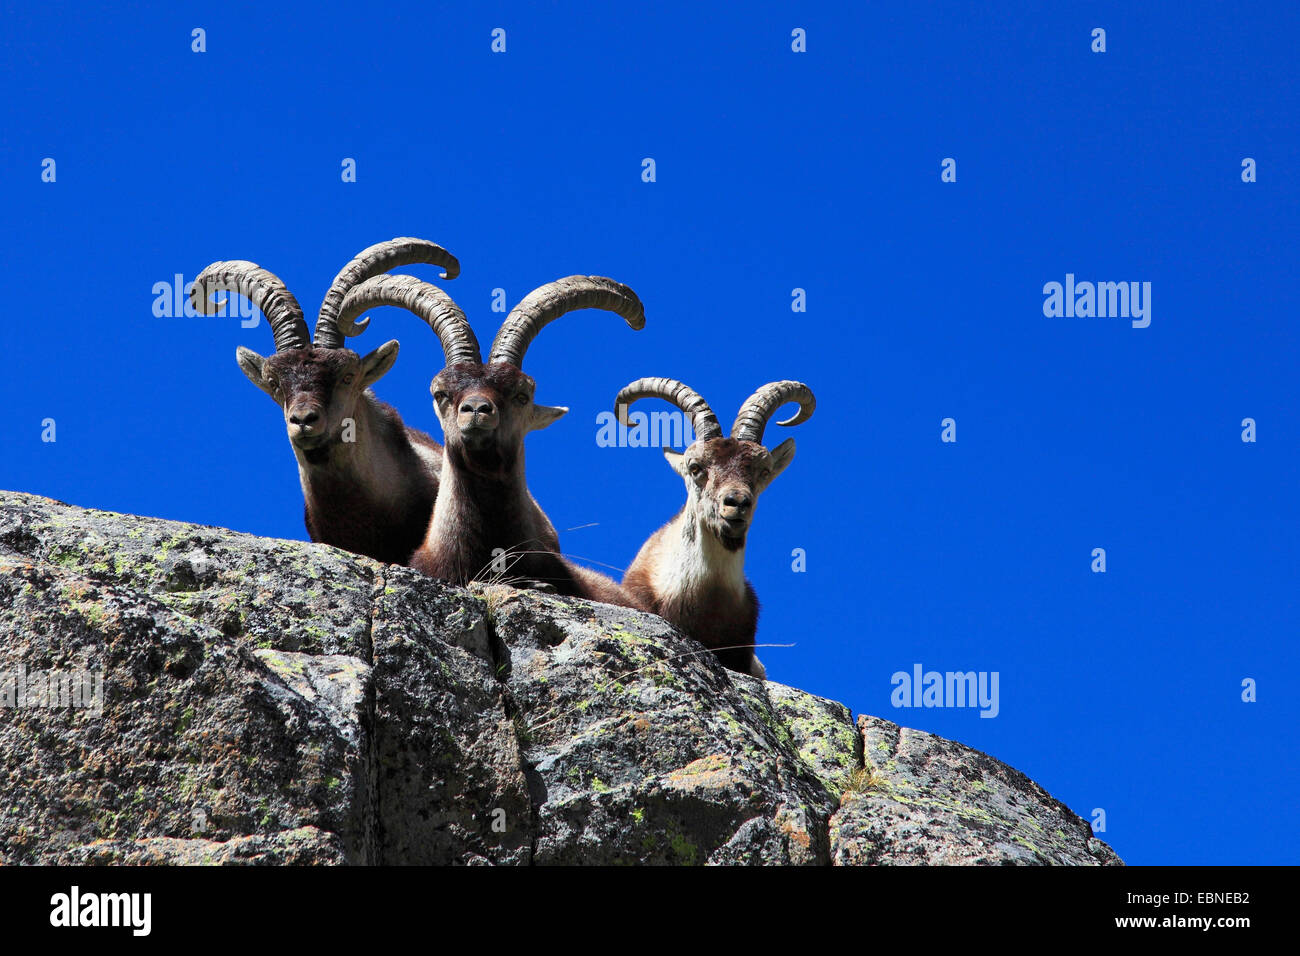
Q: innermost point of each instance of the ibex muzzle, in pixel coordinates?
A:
(477, 419)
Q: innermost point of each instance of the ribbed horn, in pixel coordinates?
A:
(703, 421)
(427, 301)
(549, 302)
(263, 289)
(758, 408)
(376, 260)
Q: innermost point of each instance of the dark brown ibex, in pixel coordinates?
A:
(485, 522)
(691, 572)
(368, 481)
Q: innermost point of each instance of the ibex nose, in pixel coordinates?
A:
(477, 405)
(304, 417)
(738, 499)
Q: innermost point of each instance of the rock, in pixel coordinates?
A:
(196, 736)
(643, 749)
(923, 799)
(305, 846)
(280, 702)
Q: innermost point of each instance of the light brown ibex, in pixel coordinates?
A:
(691, 572)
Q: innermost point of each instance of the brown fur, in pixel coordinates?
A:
(344, 510)
(484, 503)
(373, 495)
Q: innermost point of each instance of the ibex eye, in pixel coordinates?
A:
(347, 379)
(439, 397)
(521, 398)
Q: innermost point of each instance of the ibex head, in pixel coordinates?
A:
(725, 476)
(486, 409)
(316, 381)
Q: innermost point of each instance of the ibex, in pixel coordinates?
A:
(485, 522)
(691, 572)
(368, 481)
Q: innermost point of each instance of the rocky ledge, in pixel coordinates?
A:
(173, 693)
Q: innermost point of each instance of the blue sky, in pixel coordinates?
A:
(775, 170)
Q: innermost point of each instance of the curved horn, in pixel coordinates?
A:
(263, 289)
(703, 420)
(427, 301)
(549, 302)
(758, 408)
(372, 261)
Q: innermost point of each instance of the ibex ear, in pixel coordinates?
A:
(250, 363)
(782, 455)
(544, 415)
(376, 365)
(677, 460)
